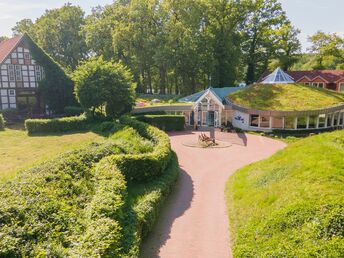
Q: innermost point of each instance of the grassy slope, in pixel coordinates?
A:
(285, 97)
(292, 204)
(19, 151)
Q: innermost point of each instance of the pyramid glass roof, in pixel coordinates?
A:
(278, 76)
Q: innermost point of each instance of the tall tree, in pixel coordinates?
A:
(328, 49)
(58, 33)
(22, 26)
(264, 19)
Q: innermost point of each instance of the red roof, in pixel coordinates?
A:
(329, 75)
(7, 46)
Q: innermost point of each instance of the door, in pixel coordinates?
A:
(211, 118)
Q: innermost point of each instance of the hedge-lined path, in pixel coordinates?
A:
(194, 223)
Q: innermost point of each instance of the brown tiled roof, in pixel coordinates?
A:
(329, 75)
(7, 46)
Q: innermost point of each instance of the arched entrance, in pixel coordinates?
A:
(208, 112)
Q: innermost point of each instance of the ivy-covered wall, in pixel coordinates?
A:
(56, 88)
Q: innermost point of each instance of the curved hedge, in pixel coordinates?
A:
(164, 122)
(98, 201)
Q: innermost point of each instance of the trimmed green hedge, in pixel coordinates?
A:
(2, 122)
(164, 122)
(65, 124)
(98, 201)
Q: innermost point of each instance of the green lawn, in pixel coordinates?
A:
(285, 97)
(19, 151)
(292, 204)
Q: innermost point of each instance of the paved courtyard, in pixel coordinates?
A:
(194, 223)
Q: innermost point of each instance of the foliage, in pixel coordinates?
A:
(2, 122)
(56, 88)
(164, 122)
(73, 111)
(82, 203)
(267, 35)
(57, 31)
(65, 124)
(285, 97)
(100, 84)
(290, 205)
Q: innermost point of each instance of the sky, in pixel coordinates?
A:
(307, 15)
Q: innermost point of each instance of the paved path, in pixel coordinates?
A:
(194, 223)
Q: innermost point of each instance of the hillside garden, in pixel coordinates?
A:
(290, 205)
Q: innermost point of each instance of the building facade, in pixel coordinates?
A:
(19, 76)
(328, 79)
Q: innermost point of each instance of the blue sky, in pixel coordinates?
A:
(308, 15)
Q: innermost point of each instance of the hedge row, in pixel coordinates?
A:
(40, 211)
(2, 122)
(164, 122)
(65, 124)
(78, 205)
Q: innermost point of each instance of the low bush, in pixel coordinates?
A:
(2, 123)
(73, 111)
(164, 122)
(56, 125)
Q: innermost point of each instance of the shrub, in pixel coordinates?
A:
(65, 124)
(164, 122)
(2, 122)
(73, 111)
(101, 84)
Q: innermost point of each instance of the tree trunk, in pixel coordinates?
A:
(162, 84)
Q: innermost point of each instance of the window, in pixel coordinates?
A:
(341, 118)
(38, 73)
(341, 87)
(11, 92)
(11, 72)
(329, 120)
(322, 120)
(265, 121)
(335, 119)
(289, 122)
(312, 122)
(18, 73)
(277, 122)
(301, 122)
(307, 83)
(26, 56)
(318, 84)
(254, 120)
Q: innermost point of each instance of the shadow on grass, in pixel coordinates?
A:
(175, 206)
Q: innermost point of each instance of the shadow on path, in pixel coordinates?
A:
(175, 206)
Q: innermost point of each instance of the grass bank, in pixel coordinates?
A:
(292, 204)
(19, 151)
(285, 97)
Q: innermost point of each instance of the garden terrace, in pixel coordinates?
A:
(285, 97)
(290, 205)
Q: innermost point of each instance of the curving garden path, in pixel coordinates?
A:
(194, 223)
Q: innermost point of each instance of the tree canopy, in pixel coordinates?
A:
(172, 46)
(105, 85)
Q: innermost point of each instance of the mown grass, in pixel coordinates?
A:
(19, 151)
(292, 204)
(285, 97)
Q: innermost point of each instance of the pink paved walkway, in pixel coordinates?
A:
(193, 223)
